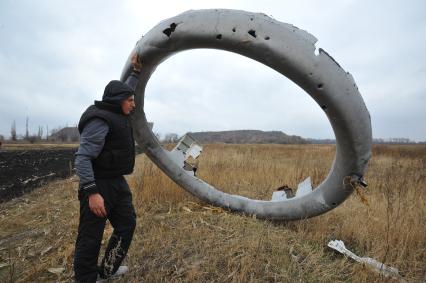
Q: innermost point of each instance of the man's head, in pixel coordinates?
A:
(128, 104)
(118, 93)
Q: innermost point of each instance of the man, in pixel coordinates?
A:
(106, 153)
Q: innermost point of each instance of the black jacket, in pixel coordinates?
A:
(117, 157)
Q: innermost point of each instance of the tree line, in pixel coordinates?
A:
(64, 134)
(42, 134)
(71, 134)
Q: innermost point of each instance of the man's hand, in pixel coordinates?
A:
(136, 62)
(96, 204)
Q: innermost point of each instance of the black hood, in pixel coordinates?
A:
(116, 91)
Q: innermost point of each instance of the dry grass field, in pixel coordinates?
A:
(180, 239)
(29, 146)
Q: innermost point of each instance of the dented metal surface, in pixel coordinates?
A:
(291, 52)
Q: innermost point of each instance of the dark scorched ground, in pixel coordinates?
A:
(23, 170)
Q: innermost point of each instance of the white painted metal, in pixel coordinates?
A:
(304, 188)
(186, 147)
(291, 52)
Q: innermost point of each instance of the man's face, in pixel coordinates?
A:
(128, 104)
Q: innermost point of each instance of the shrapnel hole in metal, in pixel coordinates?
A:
(252, 33)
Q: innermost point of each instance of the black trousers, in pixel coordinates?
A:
(121, 214)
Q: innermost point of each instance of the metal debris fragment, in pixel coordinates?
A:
(186, 153)
(377, 266)
(292, 52)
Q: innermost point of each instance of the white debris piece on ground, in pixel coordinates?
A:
(383, 269)
(35, 178)
(303, 188)
(187, 147)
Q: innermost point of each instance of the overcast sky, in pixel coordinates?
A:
(57, 56)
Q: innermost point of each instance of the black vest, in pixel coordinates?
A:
(117, 157)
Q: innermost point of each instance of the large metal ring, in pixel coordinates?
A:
(291, 52)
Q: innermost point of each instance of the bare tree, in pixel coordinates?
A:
(27, 134)
(171, 138)
(13, 131)
(40, 132)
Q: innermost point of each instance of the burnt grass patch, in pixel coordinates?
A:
(21, 171)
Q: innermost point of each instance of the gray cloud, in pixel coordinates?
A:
(57, 56)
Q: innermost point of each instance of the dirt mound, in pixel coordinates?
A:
(24, 170)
